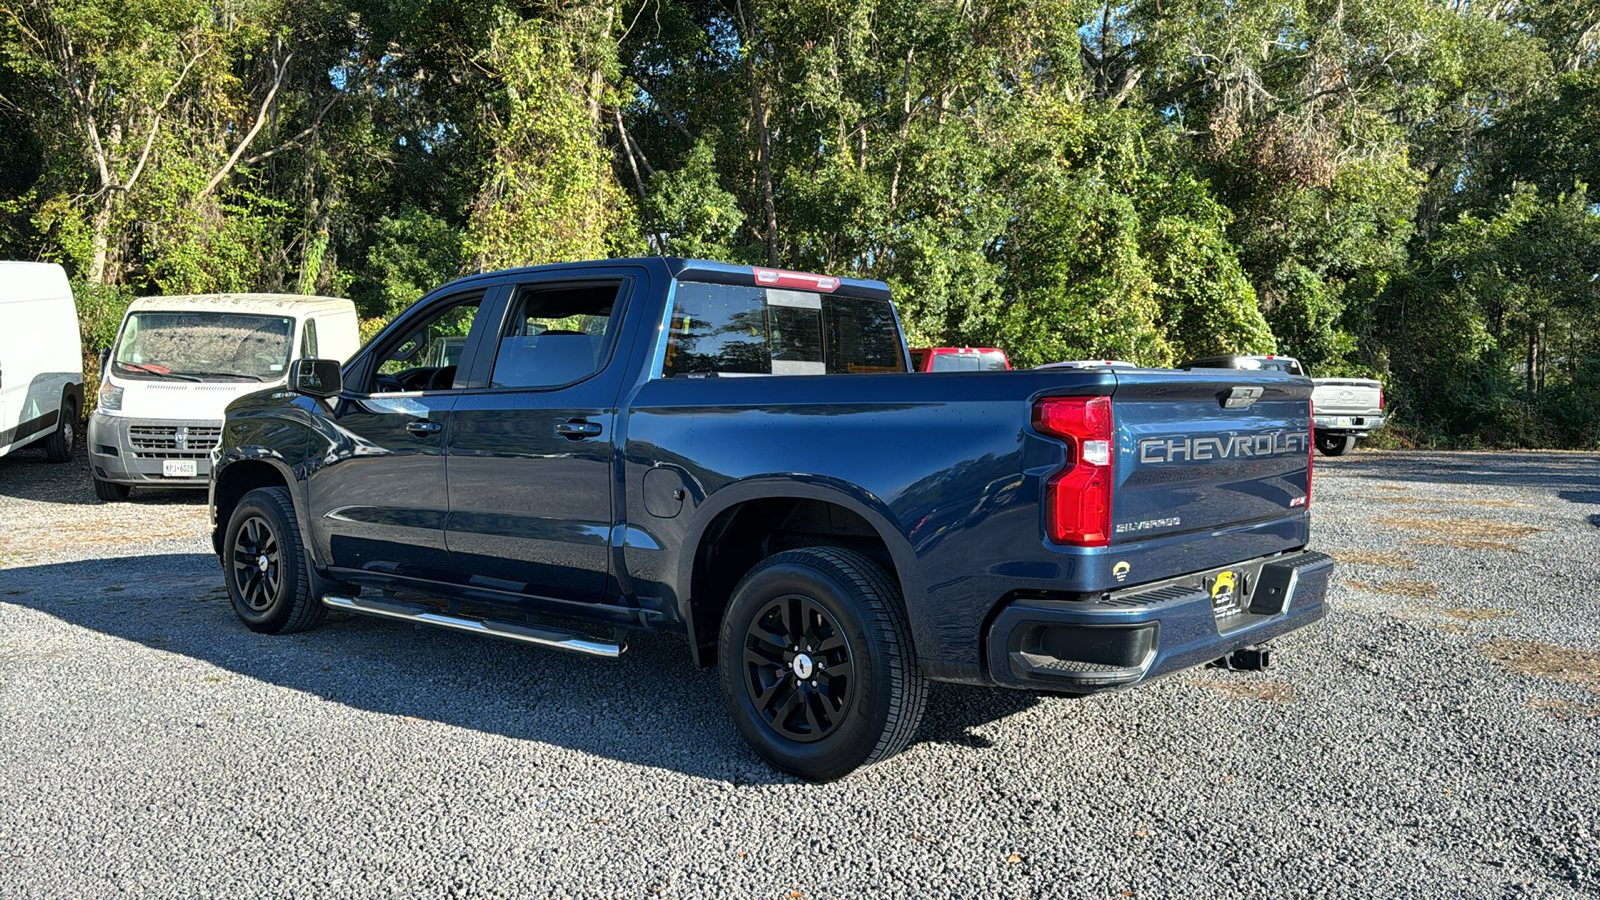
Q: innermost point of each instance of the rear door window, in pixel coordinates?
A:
(726, 329)
(557, 335)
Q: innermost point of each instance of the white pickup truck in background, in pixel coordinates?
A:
(1343, 409)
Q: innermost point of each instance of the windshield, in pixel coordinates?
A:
(191, 346)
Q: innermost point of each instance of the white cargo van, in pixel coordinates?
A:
(179, 361)
(41, 360)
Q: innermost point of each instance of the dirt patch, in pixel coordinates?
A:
(1503, 504)
(1260, 691)
(1474, 614)
(1388, 559)
(1466, 544)
(108, 525)
(1420, 589)
(1546, 660)
(1565, 710)
(1461, 528)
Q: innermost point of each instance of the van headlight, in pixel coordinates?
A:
(110, 395)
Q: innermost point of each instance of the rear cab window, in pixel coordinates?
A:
(970, 361)
(723, 329)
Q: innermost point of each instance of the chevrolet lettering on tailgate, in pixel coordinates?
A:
(1237, 446)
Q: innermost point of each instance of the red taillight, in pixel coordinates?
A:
(1380, 399)
(1078, 498)
(1311, 447)
(803, 281)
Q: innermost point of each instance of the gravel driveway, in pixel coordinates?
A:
(1438, 734)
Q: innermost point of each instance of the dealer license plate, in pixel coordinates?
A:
(178, 468)
(1227, 592)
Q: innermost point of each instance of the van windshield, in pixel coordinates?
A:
(191, 346)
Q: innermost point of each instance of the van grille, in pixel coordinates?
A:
(174, 441)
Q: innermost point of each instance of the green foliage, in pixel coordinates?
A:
(551, 194)
(693, 215)
(1397, 188)
(410, 254)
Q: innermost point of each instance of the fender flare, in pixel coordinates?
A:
(259, 454)
(812, 487)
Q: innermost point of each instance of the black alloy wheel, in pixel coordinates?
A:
(816, 661)
(269, 576)
(257, 563)
(798, 670)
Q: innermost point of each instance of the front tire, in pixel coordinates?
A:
(59, 445)
(110, 491)
(1335, 444)
(817, 665)
(265, 564)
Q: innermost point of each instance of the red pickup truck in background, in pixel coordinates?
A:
(959, 359)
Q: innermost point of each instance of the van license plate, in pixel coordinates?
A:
(178, 468)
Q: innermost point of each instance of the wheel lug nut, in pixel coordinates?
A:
(813, 684)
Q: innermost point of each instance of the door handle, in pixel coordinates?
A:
(423, 426)
(578, 428)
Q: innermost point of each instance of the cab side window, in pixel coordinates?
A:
(424, 357)
(557, 335)
(308, 340)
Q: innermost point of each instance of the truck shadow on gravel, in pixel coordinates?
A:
(26, 475)
(650, 707)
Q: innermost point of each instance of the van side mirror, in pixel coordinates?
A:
(320, 378)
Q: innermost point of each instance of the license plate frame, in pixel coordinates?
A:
(179, 468)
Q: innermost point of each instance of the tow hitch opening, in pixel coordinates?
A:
(1250, 659)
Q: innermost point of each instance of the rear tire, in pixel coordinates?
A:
(817, 665)
(63, 440)
(266, 567)
(1335, 444)
(110, 491)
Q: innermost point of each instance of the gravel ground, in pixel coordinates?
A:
(1437, 735)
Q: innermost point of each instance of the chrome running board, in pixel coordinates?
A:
(543, 636)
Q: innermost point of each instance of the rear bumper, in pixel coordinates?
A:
(1353, 424)
(1157, 630)
(127, 450)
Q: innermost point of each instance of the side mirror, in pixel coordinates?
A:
(320, 378)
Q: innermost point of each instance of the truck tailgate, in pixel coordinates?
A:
(1206, 451)
(1346, 395)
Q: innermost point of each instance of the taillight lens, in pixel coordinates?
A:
(1078, 498)
(1311, 446)
(1380, 399)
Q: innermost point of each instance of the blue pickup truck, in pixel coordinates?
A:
(742, 456)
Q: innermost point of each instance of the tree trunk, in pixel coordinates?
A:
(98, 270)
(758, 116)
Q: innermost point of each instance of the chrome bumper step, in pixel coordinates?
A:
(539, 635)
